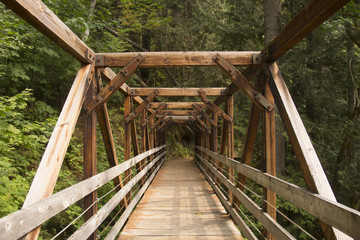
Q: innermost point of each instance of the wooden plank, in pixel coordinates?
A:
(314, 175)
(242, 83)
(142, 106)
(269, 154)
(90, 159)
(50, 164)
(177, 92)
(233, 212)
(125, 215)
(308, 19)
(114, 84)
(44, 20)
(19, 223)
(327, 210)
(94, 222)
(267, 221)
(174, 59)
(179, 112)
(174, 105)
(195, 212)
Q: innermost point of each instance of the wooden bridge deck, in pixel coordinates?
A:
(180, 204)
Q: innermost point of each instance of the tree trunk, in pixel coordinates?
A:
(272, 26)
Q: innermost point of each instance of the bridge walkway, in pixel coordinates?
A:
(180, 204)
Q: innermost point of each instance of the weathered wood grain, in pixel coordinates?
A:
(179, 203)
(176, 92)
(310, 164)
(175, 59)
(44, 20)
(174, 105)
(48, 170)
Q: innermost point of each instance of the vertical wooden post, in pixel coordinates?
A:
(143, 132)
(214, 141)
(230, 138)
(269, 152)
(90, 155)
(127, 142)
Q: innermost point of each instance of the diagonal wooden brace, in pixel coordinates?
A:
(241, 82)
(201, 122)
(164, 123)
(157, 112)
(142, 106)
(161, 118)
(114, 84)
(214, 108)
(204, 114)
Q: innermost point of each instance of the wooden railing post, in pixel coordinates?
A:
(127, 142)
(90, 155)
(229, 109)
(269, 153)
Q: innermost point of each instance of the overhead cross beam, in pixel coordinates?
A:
(174, 105)
(166, 121)
(176, 59)
(242, 83)
(114, 84)
(152, 116)
(176, 92)
(214, 108)
(142, 106)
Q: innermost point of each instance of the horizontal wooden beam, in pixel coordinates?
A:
(176, 59)
(153, 115)
(177, 92)
(179, 112)
(308, 19)
(175, 105)
(45, 21)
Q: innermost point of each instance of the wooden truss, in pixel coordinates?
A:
(196, 115)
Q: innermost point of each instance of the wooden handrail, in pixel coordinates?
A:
(23, 221)
(328, 211)
(94, 222)
(266, 220)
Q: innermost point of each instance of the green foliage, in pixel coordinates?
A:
(22, 140)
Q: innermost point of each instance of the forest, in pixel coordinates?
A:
(322, 73)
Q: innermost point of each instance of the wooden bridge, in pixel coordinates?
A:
(179, 203)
